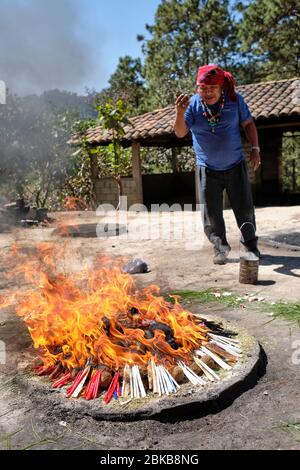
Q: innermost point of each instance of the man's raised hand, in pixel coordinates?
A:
(182, 103)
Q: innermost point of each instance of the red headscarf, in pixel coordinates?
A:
(215, 75)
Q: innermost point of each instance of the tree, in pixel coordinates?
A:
(186, 34)
(270, 35)
(57, 102)
(113, 117)
(12, 147)
(51, 161)
(80, 184)
(111, 160)
(127, 83)
(35, 159)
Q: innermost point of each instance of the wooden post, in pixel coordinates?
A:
(137, 172)
(94, 178)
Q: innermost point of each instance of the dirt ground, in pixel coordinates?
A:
(255, 420)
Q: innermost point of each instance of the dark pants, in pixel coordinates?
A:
(210, 185)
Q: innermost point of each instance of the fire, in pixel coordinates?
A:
(97, 316)
(76, 203)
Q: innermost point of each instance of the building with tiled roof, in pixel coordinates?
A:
(274, 105)
(269, 102)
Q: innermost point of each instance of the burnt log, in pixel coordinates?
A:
(138, 348)
(106, 325)
(55, 350)
(133, 311)
(217, 328)
(148, 334)
(169, 334)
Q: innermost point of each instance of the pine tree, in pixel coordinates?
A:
(186, 34)
(270, 34)
(127, 83)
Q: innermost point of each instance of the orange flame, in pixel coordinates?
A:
(98, 315)
(75, 203)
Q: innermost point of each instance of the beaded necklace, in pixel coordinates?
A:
(213, 119)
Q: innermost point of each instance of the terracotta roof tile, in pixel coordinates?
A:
(266, 100)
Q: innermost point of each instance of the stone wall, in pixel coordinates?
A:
(106, 189)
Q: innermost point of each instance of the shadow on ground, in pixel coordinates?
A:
(93, 230)
(285, 264)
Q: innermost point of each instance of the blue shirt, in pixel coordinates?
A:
(222, 149)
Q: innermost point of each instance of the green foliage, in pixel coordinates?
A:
(78, 184)
(35, 158)
(269, 31)
(34, 152)
(186, 34)
(210, 296)
(106, 160)
(157, 160)
(49, 166)
(287, 310)
(255, 39)
(113, 117)
(103, 161)
(12, 146)
(293, 428)
(59, 102)
(186, 159)
(127, 83)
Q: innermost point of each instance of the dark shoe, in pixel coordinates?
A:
(219, 258)
(256, 252)
(253, 248)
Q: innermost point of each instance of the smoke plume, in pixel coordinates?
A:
(41, 46)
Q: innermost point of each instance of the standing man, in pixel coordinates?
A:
(214, 116)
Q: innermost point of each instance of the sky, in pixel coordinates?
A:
(68, 44)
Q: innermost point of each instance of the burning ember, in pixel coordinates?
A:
(94, 331)
(72, 203)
